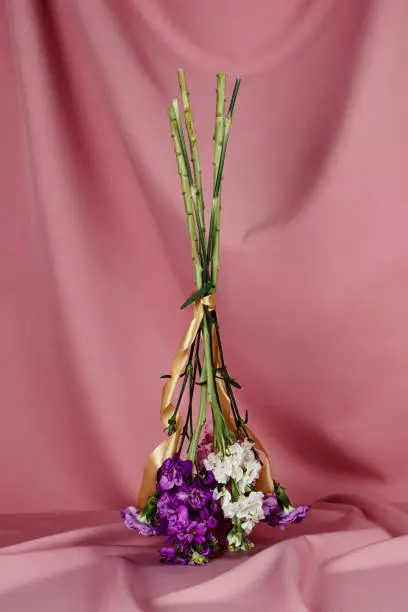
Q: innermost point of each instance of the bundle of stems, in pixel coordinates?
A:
(201, 370)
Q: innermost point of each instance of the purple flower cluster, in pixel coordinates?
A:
(186, 513)
(182, 510)
(278, 510)
(173, 473)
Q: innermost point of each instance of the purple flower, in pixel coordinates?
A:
(177, 523)
(169, 556)
(197, 531)
(270, 504)
(173, 473)
(168, 505)
(185, 510)
(208, 480)
(273, 519)
(207, 515)
(196, 495)
(291, 515)
(186, 531)
(211, 522)
(133, 520)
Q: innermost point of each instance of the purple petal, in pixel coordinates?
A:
(270, 504)
(295, 515)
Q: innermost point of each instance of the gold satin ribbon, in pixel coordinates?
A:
(168, 447)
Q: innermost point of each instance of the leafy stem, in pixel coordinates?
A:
(188, 424)
(187, 372)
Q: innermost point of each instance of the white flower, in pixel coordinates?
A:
(251, 474)
(215, 464)
(247, 452)
(228, 506)
(252, 470)
(248, 526)
(250, 507)
(239, 465)
(211, 461)
(224, 468)
(233, 469)
(218, 494)
(236, 450)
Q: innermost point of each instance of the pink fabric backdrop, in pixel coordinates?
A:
(313, 299)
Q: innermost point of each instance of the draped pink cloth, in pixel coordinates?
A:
(313, 297)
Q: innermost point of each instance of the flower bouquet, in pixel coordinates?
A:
(205, 487)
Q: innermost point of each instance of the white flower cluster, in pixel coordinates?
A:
(247, 509)
(240, 466)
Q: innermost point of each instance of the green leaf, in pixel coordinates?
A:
(281, 496)
(234, 96)
(169, 375)
(197, 295)
(171, 425)
(234, 383)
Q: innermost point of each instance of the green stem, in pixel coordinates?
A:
(213, 250)
(218, 140)
(234, 96)
(202, 415)
(182, 141)
(201, 233)
(193, 374)
(199, 215)
(192, 137)
(219, 122)
(187, 374)
(185, 189)
(222, 433)
(227, 127)
(216, 207)
(239, 421)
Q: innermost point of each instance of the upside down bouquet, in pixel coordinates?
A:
(207, 485)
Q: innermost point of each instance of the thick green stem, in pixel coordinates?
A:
(219, 122)
(192, 137)
(215, 241)
(213, 250)
(202, 415)
(185, 189)
(218, 140)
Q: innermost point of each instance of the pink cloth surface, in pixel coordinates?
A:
(313, 297)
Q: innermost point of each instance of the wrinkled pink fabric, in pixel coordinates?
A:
(313, 296)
